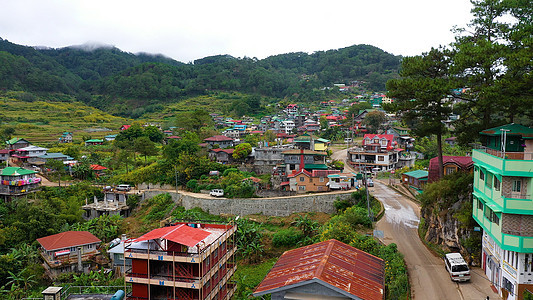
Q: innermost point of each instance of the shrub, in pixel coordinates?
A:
(342, 204)
(287, 237)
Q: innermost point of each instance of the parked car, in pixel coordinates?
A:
(457, 267)
(216, 193)
(369, 182)
(108, 188)
(123, 187)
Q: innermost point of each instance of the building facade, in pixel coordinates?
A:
(378, 153)
(185, 261)
(502, 206)
(69, 251)
(15, 181)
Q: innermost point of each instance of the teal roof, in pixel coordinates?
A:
(322, 140)
(14, 140)
(94, 141)
(16, 171)
(513, 129)
(316, 166)
(417, 174)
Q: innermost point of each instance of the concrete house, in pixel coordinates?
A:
(69, 251)
(220, 140)
(15, 181)
(16, 143)
(503, 181)
(378, 153)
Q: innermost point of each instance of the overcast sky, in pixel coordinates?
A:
(189, 30)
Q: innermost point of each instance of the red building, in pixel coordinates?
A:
(186, 261)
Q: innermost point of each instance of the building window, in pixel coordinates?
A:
(321, 179)
(517, 186)
(508, 285)
(449, 170)
(492, 216)
(301, 188)
(481, 175)
(496, 183)
(381, 158)
(479, 204)
(488, 182)
(302, 179)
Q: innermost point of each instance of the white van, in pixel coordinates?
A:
(457, 267)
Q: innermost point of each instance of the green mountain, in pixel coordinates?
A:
(104, 76)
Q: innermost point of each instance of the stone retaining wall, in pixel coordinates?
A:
(280, 206)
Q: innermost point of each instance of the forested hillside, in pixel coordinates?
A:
(117, 76)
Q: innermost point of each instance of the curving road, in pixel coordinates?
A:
(429, 279)
(428, 276)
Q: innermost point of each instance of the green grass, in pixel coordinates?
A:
(248, 277)
(45, 121)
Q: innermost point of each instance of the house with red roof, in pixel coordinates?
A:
(220, 140)
(186, 261)
(69, 251)
(451, 164)
(325, 270)
(223, 156)
(98, 170)
(379, 152)
(124, 127)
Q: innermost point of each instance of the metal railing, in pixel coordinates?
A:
(506, 154)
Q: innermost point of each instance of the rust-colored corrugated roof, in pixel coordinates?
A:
(67, 239)
(345, 269)
(181, 234)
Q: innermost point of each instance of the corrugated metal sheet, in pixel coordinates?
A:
(337, 264)
(181, 234)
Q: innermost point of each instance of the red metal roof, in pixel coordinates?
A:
(332, 263)
(181, 234)
(67, 239)
(97, 167)
(463, 162)
(218, 138)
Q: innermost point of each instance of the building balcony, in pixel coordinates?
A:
(508, 164)
(517, 241)
(67, 259)
(21, 182)
(196, 283)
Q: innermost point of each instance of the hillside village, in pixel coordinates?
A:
(297, 160)
(349, 173)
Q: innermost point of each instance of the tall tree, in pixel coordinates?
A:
(144, 146)
(422, 94)
(375, 120)
(492, 62)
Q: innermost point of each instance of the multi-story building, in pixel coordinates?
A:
(15, 181)
(185, 261)
(69, 251)
(502, 206)
(378, 153)
(294, 159)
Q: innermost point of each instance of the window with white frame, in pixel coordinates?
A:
(481, 175)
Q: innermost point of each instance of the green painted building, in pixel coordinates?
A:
(503, 207)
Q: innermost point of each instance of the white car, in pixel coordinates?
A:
(123, 187)
(217, 193)
(370, 182)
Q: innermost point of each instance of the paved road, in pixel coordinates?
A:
(428, 276)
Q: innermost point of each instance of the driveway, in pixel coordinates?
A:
(428, 276)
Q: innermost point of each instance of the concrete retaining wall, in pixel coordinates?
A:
(280, 206)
